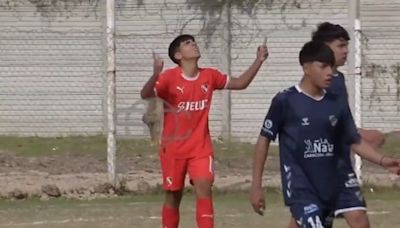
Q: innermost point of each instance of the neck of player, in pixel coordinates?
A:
(335, 70)
(190, 68)
(311, 89)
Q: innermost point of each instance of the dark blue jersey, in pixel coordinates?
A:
(311, 133)
(338, 86)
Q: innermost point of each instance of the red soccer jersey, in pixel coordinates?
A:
(187, 105)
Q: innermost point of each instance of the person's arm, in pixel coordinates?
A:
(260, 156)
(244, 80)
(366, 151)
(361, 147)
(269, 130)
(148, 88)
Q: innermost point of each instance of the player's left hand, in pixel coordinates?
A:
(262, 51)
(257, 200)
(391, 164)
(158, 64)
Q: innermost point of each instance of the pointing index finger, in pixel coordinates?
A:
(265, 41)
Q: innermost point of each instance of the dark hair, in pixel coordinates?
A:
(316, 51)
(328, 32)
(174, 46)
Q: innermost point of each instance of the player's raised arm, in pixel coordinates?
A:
(148, 89)
(247, 77)
(367, 152)
(256, 193)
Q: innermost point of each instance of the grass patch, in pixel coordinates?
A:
(44, 146)
(235, 148)
(97, 145)
(232, 210)
(93, 145)
(40, 146)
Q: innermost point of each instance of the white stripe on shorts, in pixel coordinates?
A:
(210, 165)
(344, 210)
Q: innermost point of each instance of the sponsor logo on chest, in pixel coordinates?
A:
(318, 148)
(192, 105)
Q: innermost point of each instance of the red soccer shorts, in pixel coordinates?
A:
(174, 170)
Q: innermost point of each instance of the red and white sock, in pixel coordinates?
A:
(205, 213)
(170, 217)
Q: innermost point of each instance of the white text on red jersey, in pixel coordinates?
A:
(192, 105)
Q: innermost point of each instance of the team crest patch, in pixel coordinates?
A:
(333, 120)
(169, 181)
(204, 88)
(268, 124)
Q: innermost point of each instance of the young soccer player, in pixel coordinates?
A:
(188, 89)
(313, 123)
(350, 202)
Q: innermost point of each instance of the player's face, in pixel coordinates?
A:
(188, 50)
(320, 74)
(340, 49)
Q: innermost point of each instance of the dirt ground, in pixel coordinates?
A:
(85, 176)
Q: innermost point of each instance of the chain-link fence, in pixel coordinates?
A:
(53, 63)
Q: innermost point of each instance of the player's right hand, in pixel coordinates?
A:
(257, 200)
(262, 51)
(158, 64)
(391, 164)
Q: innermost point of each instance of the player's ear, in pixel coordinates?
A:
(306, 68)
(178, 55)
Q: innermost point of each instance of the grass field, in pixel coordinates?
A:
(232, 210)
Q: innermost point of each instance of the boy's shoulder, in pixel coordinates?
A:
(286, 93)
(332, 95)
(340, 74)
(170, 71)
(170, 74)
(210, 70)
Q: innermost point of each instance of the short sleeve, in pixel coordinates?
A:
(161, 86)
(274, 118)
(220, 80)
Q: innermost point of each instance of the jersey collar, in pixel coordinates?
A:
(308, 95)
(190, 78)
